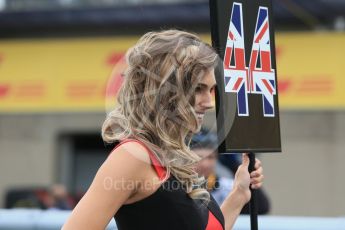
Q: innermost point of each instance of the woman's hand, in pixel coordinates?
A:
(243, 179)
(240, 194)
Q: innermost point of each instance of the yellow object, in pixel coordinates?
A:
(211, 181)
(311, 72)
(84, 74)
(62, 74)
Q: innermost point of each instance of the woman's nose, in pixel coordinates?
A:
(207, 102)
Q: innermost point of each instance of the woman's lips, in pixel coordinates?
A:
(200, 116)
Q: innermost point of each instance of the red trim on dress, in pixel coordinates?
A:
(157, 166)
(213, 223)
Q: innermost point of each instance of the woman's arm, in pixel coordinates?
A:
(240, 195)
(115, 181)
(232, 162)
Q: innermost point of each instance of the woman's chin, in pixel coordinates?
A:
(198, 128)
(194, 131)
(200, 123)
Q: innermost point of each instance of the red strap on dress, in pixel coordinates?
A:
(157, 166)
(213, 223)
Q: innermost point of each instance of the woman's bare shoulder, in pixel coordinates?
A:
(117, 180)
(132, 152)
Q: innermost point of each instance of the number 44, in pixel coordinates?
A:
(259, 78)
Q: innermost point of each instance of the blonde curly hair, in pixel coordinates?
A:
(156, 101)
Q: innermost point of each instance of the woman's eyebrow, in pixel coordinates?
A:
(203, 85)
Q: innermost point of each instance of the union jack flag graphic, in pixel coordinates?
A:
(259, 78)
(262, 76)
(235, 70)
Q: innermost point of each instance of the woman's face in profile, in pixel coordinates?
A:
(204, 94)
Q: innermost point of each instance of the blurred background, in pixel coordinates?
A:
(60, 70)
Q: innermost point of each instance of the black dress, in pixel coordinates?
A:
(169, 208)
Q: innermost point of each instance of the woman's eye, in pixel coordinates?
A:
(198, 89)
